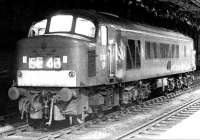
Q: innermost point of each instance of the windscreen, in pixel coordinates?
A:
(85, 27)
(65, 24)
(38, 28)
(61, 23)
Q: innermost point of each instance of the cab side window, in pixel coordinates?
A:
(103, 35)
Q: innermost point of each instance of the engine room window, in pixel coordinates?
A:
(170, 52)
(85, 27)
(185, 51)
(155, 49)
(133, 54)
(38, 28)
(164, 50)
(61, 23)
(177, 51)
(151, 50)
(161, 50)
(147, 50)
(128, 58)
(173, 51)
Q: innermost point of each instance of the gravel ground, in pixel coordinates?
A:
(113, 129)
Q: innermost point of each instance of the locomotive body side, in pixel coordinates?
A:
(156, 54)
(154, 61)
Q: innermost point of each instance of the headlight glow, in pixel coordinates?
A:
(64, 59)
(24, 59)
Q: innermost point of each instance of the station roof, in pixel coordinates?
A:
(189, 7)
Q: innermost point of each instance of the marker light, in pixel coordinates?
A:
(64, 59)
(24, 59)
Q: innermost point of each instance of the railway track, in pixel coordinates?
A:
(162, 123)
(26, 132)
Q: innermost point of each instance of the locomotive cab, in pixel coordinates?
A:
(54, 64)
(63, 47)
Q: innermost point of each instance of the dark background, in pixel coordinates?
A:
(17, 16)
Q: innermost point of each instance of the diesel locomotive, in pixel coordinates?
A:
(76, 63)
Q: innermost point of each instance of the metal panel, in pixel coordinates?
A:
(42, 78)
(91, 63)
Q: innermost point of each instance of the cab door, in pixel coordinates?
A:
(116, 56)
(112, 60)
(120, 56)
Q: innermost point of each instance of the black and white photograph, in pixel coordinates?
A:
(99, 69)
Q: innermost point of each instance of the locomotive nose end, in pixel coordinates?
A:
(13, 93)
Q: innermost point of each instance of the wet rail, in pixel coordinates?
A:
(164, 122)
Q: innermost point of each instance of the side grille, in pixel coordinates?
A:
(91, 63)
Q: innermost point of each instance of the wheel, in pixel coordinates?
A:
(100, 114)
(165, 93)
(139, 99)
(75, 120)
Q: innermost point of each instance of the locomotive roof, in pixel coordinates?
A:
(124, 24)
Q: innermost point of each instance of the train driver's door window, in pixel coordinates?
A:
(133, 54)
(104, 35)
